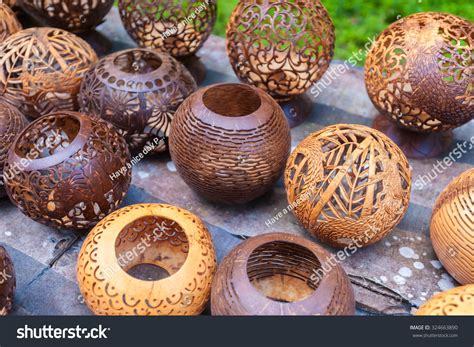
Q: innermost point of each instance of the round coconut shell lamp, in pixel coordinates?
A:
(68, 170)
(41, 70)
(7, 282)
(9, 24)
(170, 274)
(12, 122)
(230, 142)
(178, 27)
(349, 184)
(138, 90)
(280, 274)
(283, 48)
(419, 76)
(454, 302)
(452, 228)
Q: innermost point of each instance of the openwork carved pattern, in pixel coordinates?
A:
(419, 72)
(452, 228)
(41, 70)
(348, 183)
(179, 27)
(230, 142)
(172, 238)
(277, 274)
(12, 123)
(71, 15)
(7, 282)
(454, 302)
(282, 47)
(8, 22)
(70, 177)
(138, 90)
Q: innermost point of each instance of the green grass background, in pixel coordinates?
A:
(357, 20)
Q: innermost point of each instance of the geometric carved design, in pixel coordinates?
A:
(280, 274)
(8, 22)
(138, 90)
(162, 235)
(454, 302)
(348, 184)
(12, 123)
(7, 282)
(419, 72)
(71, 15)
(41, 70)
(452, 228)
(230, 142)
(282, 47)
(174, 26)
(62, 170)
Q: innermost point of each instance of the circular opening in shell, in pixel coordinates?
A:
(138, 62)
(48, 137)
(283, 271)
(232, 100)
(151, 248)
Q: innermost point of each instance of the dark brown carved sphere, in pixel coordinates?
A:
(7, 282)
(68, 170)
(281, 47)
(230, 142)
(41, 70)
(419, 72)
(138, 90)
(71, 15)
(12, 123)
(175, 26)
(280, 274)
(9, 24)
(348, 185)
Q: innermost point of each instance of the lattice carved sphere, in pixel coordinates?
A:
(70, 15)
(12, 122)
(68, 170)
(454, 302)
(280, 274)
(452, 228)
(419, 72)
(7, 282)
(9, 24)
(179, 27)
(41, 70)
(111, 265)
(282, 47)
(348, 184)
(138, 90)
(230, 142)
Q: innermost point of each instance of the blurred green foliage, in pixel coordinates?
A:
(358, 20)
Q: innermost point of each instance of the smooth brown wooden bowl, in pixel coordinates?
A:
(280, 274)
(230, 142)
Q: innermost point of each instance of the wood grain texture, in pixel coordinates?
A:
(454, 302)
(9, 24)
(276, 274)
(70, 15)
(175, 26)
(175, 240)
(230, 142)
(62, 170)
(279, 46)
(137, 90)
(418, 72)
(41, 70)
(452, 228)
(348, 185)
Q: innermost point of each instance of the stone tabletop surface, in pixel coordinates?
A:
(393, 276)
